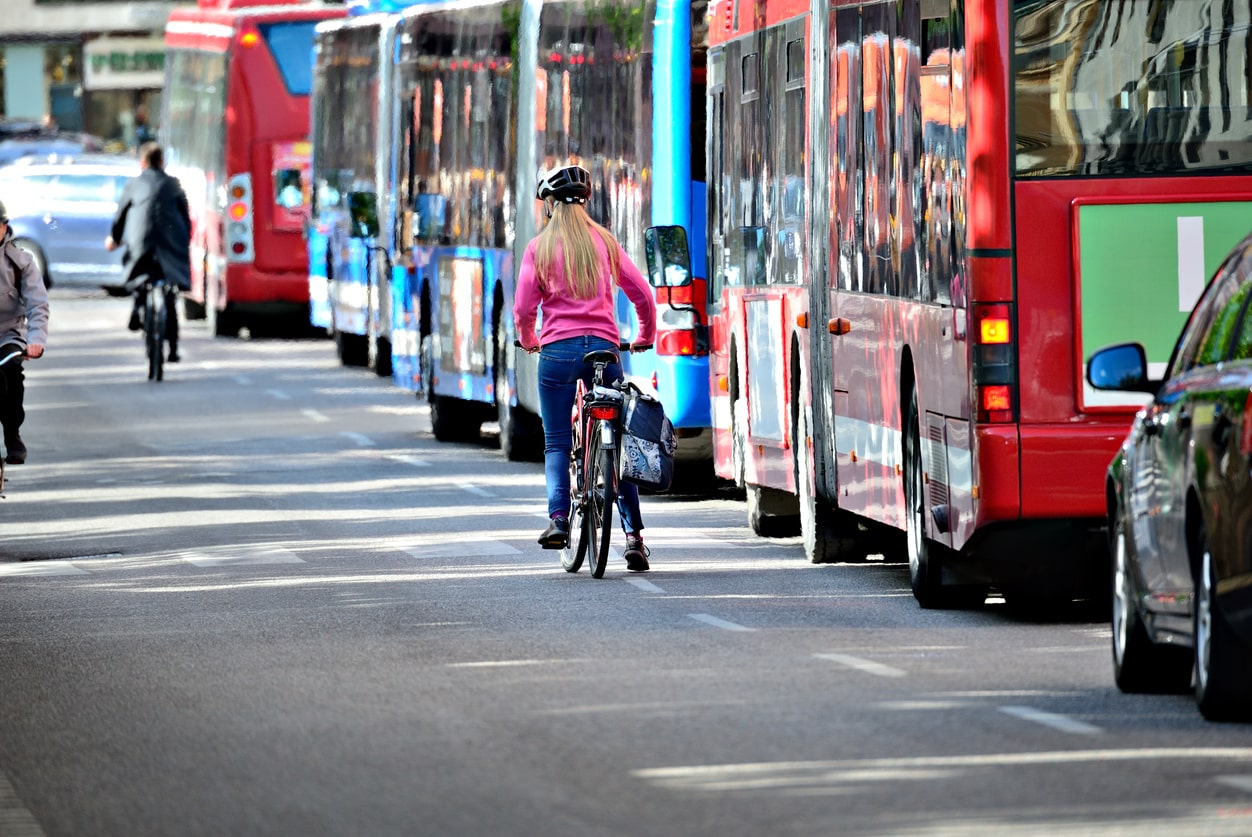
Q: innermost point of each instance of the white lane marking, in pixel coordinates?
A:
(314, 415)
(279, 394)
(1062, 723)
(510, 663)
(41, 568)
(405, 459)
(718, 623)
(473, 549)
(645, 586)
(1243, 783)
(245, 555)
(242, 380)
(16, 820)
(1191, 273)
(862, 664)
(476, 491)
(361, 439)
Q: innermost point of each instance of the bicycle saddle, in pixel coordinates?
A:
(600, 356)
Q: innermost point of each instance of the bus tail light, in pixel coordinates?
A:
(995, 363)
(239, 221)
(680, 329)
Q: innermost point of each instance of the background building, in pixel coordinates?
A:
(92, 66)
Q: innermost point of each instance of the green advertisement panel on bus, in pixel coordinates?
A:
(1143, 266)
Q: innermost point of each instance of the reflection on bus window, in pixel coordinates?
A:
(1131, 87)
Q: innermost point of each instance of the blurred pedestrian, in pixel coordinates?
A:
(23, 328)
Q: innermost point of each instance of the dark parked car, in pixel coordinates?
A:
(1180, 506)
(61, 213)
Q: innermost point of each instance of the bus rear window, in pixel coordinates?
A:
(291, 44)
(1130, 88)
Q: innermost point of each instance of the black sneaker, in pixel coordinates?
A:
(174, 356)
(556, 536)
(636, 554)
(15, 451)
(136, 322)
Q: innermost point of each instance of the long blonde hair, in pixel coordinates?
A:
(570, 228)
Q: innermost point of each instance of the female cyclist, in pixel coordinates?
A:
(572, 270)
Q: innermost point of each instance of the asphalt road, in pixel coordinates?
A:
(258, 598)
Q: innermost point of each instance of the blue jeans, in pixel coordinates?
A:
(560, 368)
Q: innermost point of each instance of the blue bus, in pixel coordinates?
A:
(351, 111)
(488, 94)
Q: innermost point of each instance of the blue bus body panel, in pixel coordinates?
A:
(319, 289)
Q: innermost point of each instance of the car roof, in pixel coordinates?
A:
(97, 163)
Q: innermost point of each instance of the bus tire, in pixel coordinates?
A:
(520, 438)
(830, 535)
(353, 349)
(380, 356)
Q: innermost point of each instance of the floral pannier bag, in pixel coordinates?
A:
(648, 441)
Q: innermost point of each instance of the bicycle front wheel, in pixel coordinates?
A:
(154, 328)
(601, 495)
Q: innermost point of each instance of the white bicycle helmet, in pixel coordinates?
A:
(569, 184)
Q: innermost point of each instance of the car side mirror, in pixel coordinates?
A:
(1123, 367)
(363, 211)
(669, 258)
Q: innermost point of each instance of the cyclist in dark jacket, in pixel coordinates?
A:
(153, 223)
(23, 327)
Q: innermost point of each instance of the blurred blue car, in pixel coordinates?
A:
(61, 212)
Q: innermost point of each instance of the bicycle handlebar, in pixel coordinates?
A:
(19, 354)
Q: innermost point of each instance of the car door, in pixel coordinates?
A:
(1184, 404)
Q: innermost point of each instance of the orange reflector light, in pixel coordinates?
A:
(997, 398)
(994, 330)
(249, 39)
(238, 211)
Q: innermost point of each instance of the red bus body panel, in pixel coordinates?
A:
(260, 115)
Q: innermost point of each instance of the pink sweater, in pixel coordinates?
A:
(565, 316)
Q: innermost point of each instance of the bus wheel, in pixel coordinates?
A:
(380, 356)
(830, 535)
(518, 434)
(926, 557)
(353, 349)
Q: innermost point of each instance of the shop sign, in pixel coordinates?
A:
(123, 63)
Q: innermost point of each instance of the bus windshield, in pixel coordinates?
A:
(291, 45)
(1131, 88)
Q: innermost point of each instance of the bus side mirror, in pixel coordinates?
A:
(669, 260)
(363, 211)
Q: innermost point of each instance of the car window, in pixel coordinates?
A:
(25, 183)
(1208, 331)
(84, 187)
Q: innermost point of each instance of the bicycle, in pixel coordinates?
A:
(155, 314)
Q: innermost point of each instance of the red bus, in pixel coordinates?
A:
(236, 133)
(978, 194)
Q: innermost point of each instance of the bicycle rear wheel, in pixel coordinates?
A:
(573, 554)
(154, 332)
(601, 495)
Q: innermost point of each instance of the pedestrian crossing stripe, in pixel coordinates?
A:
(237, 557)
